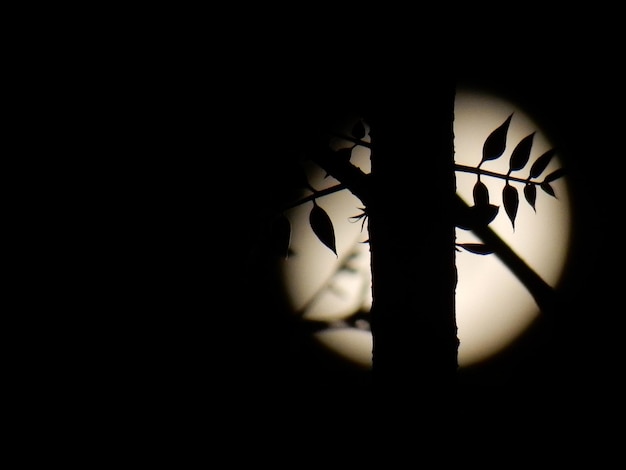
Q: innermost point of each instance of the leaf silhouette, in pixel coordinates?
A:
(541, 163)
(521, 153)
(548, 189)
(530, 193)
(477, 248)
(510, 199)
(322, 226)
(344, 153)
(486, 214)
(280, 233)
(481, 194)
(463, 216)
(362, 217)
(295, 177)
(468, 218)
(303, 180)
(358, 130)
(495, 143)
(554, 175)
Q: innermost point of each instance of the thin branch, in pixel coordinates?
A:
(360, 142)
(315, 195)
(348, 174)
(480, 171)
(327, 283)
(541, 291)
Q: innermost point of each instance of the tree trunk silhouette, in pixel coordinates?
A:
(410, 197)
(412, 236)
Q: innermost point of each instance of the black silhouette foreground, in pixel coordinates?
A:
(415, 340)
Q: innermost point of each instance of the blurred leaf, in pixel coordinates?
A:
(362, 215)
(554, 175)
(358, 130)
(521, 153)
(481, 194)
(477, 248)
(322, 227)
(530, 193)
(548, 189)
(541, 163)
(463, 216)
(291, 178)
(469, 218)
(303, 179)
(486, 214)
(495, 143)
(344, 153)
(510, 199)
(280, 233)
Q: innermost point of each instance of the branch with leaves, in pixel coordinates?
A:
(483, 212)
(480, 214)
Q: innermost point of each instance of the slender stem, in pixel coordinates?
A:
(480, 171)
(315, 195)
(362, 143)
(457, 167)
(541, 291)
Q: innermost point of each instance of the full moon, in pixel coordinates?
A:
(493, 307)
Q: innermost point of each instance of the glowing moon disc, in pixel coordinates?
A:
(492, 306)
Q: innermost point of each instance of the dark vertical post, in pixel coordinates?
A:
(412, 236)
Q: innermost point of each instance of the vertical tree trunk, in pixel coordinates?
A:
(412, 236)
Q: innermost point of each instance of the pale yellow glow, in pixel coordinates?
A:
(351, 343)
(492, 306)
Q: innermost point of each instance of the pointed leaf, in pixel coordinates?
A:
(477, 248)
(358, 130)
(469, 218)
(554, 175)
(510, 199)
(486, 214)
(495, 143)
(541, 163)
(362, 216)
(344, 153)
(481, 194)
(521, 153)
(303, 179)
(295, 177)
(463, 216)
(280, 233)
(530, 193)
(548, 189)
(322, 227)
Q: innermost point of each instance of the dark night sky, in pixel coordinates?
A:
(575, 103)
(210, 329)
(151, 326)
(579, 349)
